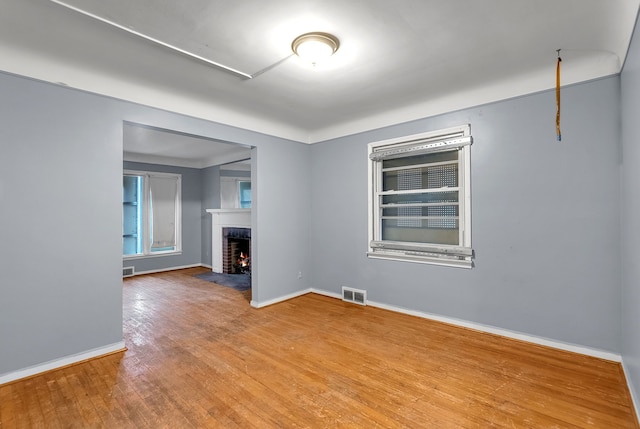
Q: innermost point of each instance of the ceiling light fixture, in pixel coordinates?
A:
(315, 47)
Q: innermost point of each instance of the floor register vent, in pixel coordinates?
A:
(127, 271)
(356, 296)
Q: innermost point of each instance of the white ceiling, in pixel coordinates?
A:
(398, 60)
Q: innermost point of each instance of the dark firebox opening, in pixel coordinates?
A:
(236, 258)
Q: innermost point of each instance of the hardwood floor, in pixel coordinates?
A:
(200, 356)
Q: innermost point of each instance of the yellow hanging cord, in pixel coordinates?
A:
(558, 133)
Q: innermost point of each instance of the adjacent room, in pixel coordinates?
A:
(431, 216)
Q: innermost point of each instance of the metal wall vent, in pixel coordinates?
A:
(357, 296)
(128, 271)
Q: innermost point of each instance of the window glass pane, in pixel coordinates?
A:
(244, 189)
(445, 215)
(421, 197)
(432, 177)
(422, 177)
(132, 215)
(422, 217)
(393, 230)
(423, 210)
(442, 176)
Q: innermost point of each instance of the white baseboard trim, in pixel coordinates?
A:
(327, 293)
(262, 304)
(162, 270)
(490, 329)
(635, 400)
(62, 362)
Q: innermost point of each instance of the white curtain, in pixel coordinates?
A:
(163, 211)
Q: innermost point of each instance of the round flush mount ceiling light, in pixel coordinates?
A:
(315, 47)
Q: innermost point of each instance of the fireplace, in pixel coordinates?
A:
(230, 239)
(236, 250)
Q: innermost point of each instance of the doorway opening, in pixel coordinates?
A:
(205, 168)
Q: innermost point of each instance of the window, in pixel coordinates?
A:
(235, 192)
(244, 194)
(151, 213)
(420, 198)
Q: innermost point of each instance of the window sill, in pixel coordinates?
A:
(464, 263)
(153, 255)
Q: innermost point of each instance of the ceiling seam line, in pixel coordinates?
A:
(156, 41)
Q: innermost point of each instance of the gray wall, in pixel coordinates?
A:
(284, 221)
(192, 235)
(545, 221)
(630, 215)
(210, 200)
(60, 178)
(61, 220)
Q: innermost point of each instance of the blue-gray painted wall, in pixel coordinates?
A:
(545, 220)
(630, 215)
(210, 200)
(60, 175)
(61, 219)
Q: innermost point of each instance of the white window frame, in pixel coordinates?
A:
(455, 138)
(146, 213)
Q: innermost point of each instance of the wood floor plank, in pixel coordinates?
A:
(8, 406)
(200, 356)
(30, 402)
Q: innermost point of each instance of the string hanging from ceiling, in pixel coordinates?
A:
(558, 133)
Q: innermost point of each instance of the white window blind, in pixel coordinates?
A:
(164, 191)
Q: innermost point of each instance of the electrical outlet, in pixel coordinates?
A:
(299, 275)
